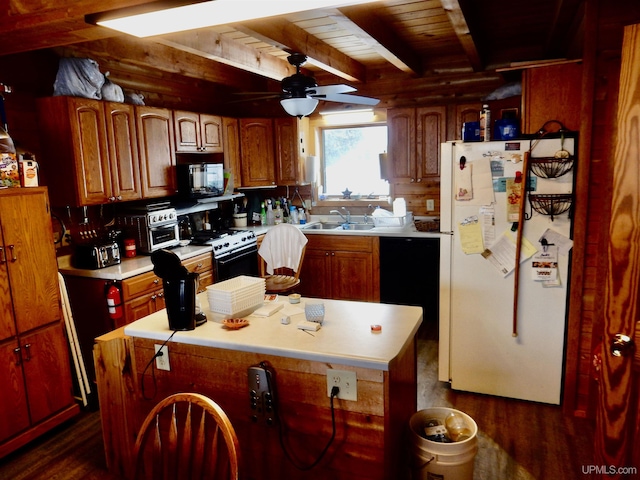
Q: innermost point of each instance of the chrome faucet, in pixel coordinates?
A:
(346, 219)
(366, 213)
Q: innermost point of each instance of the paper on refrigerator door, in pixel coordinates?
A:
(502, 253)
(544, 265)
(471, 235)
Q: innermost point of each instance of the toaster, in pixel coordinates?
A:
(94, 256)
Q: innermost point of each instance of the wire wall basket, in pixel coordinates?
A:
(551, 167)
(552, 204)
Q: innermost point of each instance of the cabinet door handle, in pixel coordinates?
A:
(3, 258)
(156, 281)
(27, 349)
(18, 354)
(13, 253)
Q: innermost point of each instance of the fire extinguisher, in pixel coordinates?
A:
(114, 301)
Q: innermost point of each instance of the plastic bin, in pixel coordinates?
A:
(442, 461)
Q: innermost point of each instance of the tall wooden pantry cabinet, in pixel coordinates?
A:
(35, 373)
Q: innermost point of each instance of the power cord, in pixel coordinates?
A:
(159, 353)
(334, 393)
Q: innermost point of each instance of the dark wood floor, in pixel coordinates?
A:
(517, 440)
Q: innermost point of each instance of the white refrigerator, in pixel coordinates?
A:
(484, 346)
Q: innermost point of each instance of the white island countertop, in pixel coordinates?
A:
(345, 336)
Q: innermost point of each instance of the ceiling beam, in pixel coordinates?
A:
(460, 26)
(288, 36)
(28, 25)
(213, 46)
(143, 53)
(372, 31)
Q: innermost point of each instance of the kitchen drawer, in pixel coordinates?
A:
(342, 243)
(140, 284)
(199, 263)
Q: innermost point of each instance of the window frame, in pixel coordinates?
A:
(321, 156)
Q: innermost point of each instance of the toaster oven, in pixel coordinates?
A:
(152, 230)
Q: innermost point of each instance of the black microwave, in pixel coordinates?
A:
(198, 180)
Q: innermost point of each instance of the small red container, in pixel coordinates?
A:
(130, 247)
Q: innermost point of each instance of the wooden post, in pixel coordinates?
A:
(117, 387)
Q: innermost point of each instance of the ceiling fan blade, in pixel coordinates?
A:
(355, 99)
(331, 89)
(256, 93)
(251, 99)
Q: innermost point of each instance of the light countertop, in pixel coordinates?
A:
(344, 338)
(128, 267)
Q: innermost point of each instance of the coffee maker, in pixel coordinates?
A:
(180, 289)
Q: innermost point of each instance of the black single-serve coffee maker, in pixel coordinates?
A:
(180, 289)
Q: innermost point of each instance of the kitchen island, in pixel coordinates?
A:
(370, 431)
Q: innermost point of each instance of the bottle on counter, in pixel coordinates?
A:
(277, 214)
(301, 216)
(270, 214)
(485, 123)
(263, 214)
(293, 215)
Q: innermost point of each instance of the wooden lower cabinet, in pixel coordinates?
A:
(341, 267)
(37, 393)
(370, 440)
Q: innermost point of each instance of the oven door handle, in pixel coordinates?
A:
(235, 256)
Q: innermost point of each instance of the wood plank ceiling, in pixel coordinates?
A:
(404, 52)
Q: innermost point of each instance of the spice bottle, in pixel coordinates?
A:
(485, 123)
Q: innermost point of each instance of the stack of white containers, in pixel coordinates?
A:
(236, 297)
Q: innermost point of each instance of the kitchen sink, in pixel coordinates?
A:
(338, 226)
(356, 226)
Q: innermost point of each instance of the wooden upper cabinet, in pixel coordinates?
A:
(415, 135)
(258, 156)
(401, 127)
(551, 93)
(93, 145)
(288, 167)
(431, 125)
(467, 112)
(157, 151)
(197, 132)
(76, 164)
(123, 152)
(231, 149)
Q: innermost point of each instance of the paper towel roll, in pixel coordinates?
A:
(311, 167)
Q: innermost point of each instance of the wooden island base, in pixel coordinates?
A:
(370, 441)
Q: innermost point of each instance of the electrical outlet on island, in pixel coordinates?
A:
(162, 359)
(346, 381)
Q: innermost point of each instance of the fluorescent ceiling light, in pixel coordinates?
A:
(344, 117)
(162, 17)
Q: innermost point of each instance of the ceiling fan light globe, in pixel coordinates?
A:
(299, 107)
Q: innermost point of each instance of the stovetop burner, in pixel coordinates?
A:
(224, 242)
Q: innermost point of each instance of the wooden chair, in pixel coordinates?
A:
(186, 436)
(281, 254)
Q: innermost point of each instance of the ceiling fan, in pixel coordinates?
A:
(300, 92)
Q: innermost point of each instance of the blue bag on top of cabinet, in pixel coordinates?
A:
(79, 77)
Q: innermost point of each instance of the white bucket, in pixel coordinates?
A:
(441, 461)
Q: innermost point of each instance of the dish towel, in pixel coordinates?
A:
(282, 247)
